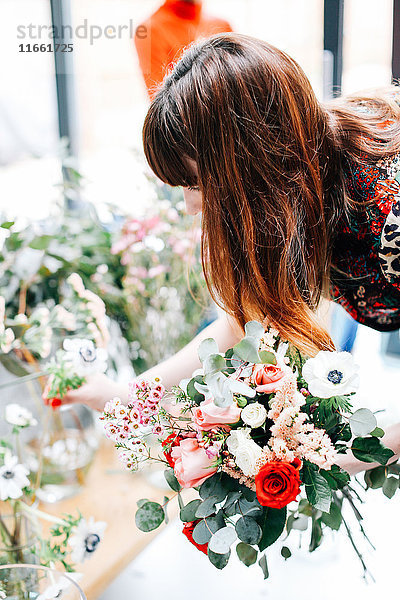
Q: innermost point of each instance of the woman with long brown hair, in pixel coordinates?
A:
(299, 199)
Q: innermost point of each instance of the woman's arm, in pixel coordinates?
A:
(100, 388)
(391, 440)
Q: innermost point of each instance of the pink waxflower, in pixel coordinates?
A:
(208, 415)
(192, 465)
(267, 378)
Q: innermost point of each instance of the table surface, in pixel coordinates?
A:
(110, 494)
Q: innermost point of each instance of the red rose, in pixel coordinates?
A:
(171, 441)
(278, 483)
(188, 531)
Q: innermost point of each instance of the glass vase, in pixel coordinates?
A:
(18, 540)
(34, 582)
(60, 450)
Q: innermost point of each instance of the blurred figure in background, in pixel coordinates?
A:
(175, 25)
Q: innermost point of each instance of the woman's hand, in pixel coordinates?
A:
(97, 390)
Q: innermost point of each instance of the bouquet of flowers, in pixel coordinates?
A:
(256, 432)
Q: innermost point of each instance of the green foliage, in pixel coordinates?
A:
(333, 518)
(272, 522)
(285, 552)
(206, 528)
(149, 516)
(246, 554)
(218, 560)
(248, 530)
(370, 449)
(318, 490)
(172, 480)
(188, 512)
(264, 566)
(336, 477)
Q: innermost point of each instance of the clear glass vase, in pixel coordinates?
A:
(34, 582)
(60, 450)
(18, 540)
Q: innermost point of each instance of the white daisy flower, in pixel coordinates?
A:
(13, 478)
(85, 357)
(86, 539)
(15, 414)
(55, 591)
(331, 374)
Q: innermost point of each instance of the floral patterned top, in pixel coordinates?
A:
(365, 277)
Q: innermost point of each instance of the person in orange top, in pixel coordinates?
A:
(164, 35)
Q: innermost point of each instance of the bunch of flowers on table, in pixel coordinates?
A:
(257, 432)
(160, 254)
(71, 540)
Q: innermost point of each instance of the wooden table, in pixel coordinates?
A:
(110, 495)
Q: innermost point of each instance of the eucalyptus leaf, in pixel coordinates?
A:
(218, 560)
(188, 512)
(172, 480)
(246, 553)
(285, 552)
(205, 529)
(206, 508)
(207, 347)
(267, 358)
(264, 566)
(375, 478)
(213, 486)
(390, 487)
(362, 422)
(222, 540)
(247, 350)
(149, 516)
(254, 329)
(213, 364)
(248, 530)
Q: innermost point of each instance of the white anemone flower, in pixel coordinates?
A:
(85, 358)
(331, 374)
(85, 540)
(13, 478)
(18, 415)
(55, 591)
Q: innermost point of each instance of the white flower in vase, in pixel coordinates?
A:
(18, 415)
(85, 357)
(85, 540)
(13, 478)
(331, 374)
(56, 590)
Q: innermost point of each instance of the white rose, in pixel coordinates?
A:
(236, 438)
(246, 456)
(331, 374)
(254, 415)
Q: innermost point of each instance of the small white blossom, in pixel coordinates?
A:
(85, 357)
(331, 374)
(254, 415)
(15, 414)
(86, 539)
(55, 591)
(13, 478)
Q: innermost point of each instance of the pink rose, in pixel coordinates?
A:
(192, 465)
(267, 378)
(208, 415)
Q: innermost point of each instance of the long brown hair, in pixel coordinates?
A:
(270, 161)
